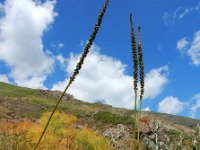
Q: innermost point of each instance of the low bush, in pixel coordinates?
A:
(107, 117)
(61, 134)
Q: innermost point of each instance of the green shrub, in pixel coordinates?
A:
(61, 135)
(107, 117)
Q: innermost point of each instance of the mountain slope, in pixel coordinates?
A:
(113, 123)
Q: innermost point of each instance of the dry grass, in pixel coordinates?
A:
(61, 134)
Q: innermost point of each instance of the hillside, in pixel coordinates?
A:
(115, 124)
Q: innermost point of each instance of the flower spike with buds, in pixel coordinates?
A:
(78, 66)
(135, 69)
(141, 64)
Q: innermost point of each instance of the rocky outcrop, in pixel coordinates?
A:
(118, 136)
(54, 94)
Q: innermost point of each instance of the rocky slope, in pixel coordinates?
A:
(113, 123)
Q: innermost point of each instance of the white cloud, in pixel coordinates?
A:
(147, 109)
(57, 46)
(61, 59)
(155, 81)
(61, 45)
(171, 105)
(4, 78)
(182, 44)
(1, 7)
(82, 43)
(194, 50)
(103, 78)
(170, 17)
(196, 106)
(21, 45)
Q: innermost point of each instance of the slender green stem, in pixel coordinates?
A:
(135, 115)
(135, 118)
(78, 66)
(52, 113)
(139, 114)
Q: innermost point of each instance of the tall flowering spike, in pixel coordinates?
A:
(89, 44)
(135, 70)
(78, 66)
(134, 54)
(141, 64)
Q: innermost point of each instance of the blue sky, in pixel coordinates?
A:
(41, 41)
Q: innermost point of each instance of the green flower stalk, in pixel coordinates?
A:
(141, 64)
(78, 66)
(135, 70)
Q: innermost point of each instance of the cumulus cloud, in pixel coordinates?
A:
(21, 47)
(155, 81)
(57, 46)
(60, 58)
(4, 78)
(171, 105)
(182, 44)
(196, 106)
(179, 13)
(61, 45)
(82, 43)
(147, 109)
(193, 51)
(103, 78)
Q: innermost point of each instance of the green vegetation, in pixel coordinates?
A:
(196, 140)
(72, 127)
(107, 117)
(166, 139)
(8, 90)
(61, 134)
(32, 107)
